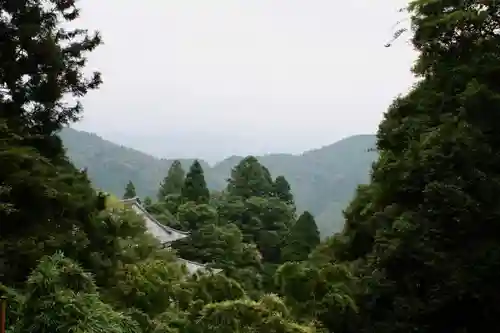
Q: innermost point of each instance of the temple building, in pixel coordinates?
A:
(164, 234)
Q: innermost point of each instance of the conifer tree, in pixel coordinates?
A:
(147, 201)
(195, 188)
(41, 61)
(46, 204)
(250, 178)
(173, 181)
(283, 190)
(427, 224)
(129, 191)
(303, 238)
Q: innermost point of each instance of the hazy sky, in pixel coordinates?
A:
(212, 78)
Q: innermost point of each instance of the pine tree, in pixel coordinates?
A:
(250, 178)
(303, 238)
(283, 190)
(173, 182)
(129, 191)
(195, 188)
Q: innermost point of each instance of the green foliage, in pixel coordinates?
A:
(194, 187)
(423, 233)
(173, 182)
(14, 301)
(61, 297)
(195, 216)
(322, 292)
(147, 202)
(118, 238)
(42, 61)
(221, 245)
(282, 189)
(419, 251)
(323, 180)
(129, 191)
(47, 206)
(302, 239)
(250, 178)
(148, 286)
(266, 222)
(267, 315)
(206, 289)
(165, 211)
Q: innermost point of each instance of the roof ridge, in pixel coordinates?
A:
(204, 266)
(152, 218)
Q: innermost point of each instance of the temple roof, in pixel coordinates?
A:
(194, 267)
(165, 234)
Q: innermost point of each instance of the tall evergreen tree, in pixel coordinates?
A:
(129, 191)
(173, 181)
(195, 188)
(427, 224)
(250, 178)
(42, 61)
(46, 204)
(303, 238)
(147, 202)
(283, 190)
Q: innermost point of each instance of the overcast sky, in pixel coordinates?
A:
(212, 78)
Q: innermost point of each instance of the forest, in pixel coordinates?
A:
(419, 250)
(323, 181)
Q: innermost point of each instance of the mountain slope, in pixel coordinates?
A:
(322, 180)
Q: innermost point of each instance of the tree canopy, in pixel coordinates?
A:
(173, 181)
(195, 188)
(419, 251)
(129, 191)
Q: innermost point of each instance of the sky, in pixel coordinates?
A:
(211, 79)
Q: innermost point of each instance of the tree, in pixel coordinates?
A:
(303, 238)
(147, 202)
(118, 237)
(61, 297)
(173, 182)
(267, 315)
(250, 178)
(193, 217)
(46, 204)
(211, 288)
(322, 292)
(42, 61)
(195, 188)
(283, 190)
(129, 191)
(148, 286)
(424, 232)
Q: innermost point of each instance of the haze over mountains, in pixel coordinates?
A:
(322, 180)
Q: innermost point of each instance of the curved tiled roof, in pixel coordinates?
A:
(167, 234)
(143, 210)
(193, 267)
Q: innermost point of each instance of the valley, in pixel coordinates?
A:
(323, 180)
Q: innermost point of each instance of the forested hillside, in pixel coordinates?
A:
(419, 251)
(322, 180)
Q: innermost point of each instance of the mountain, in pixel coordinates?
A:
(323, 180)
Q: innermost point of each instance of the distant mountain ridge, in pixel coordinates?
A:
(323, 180)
